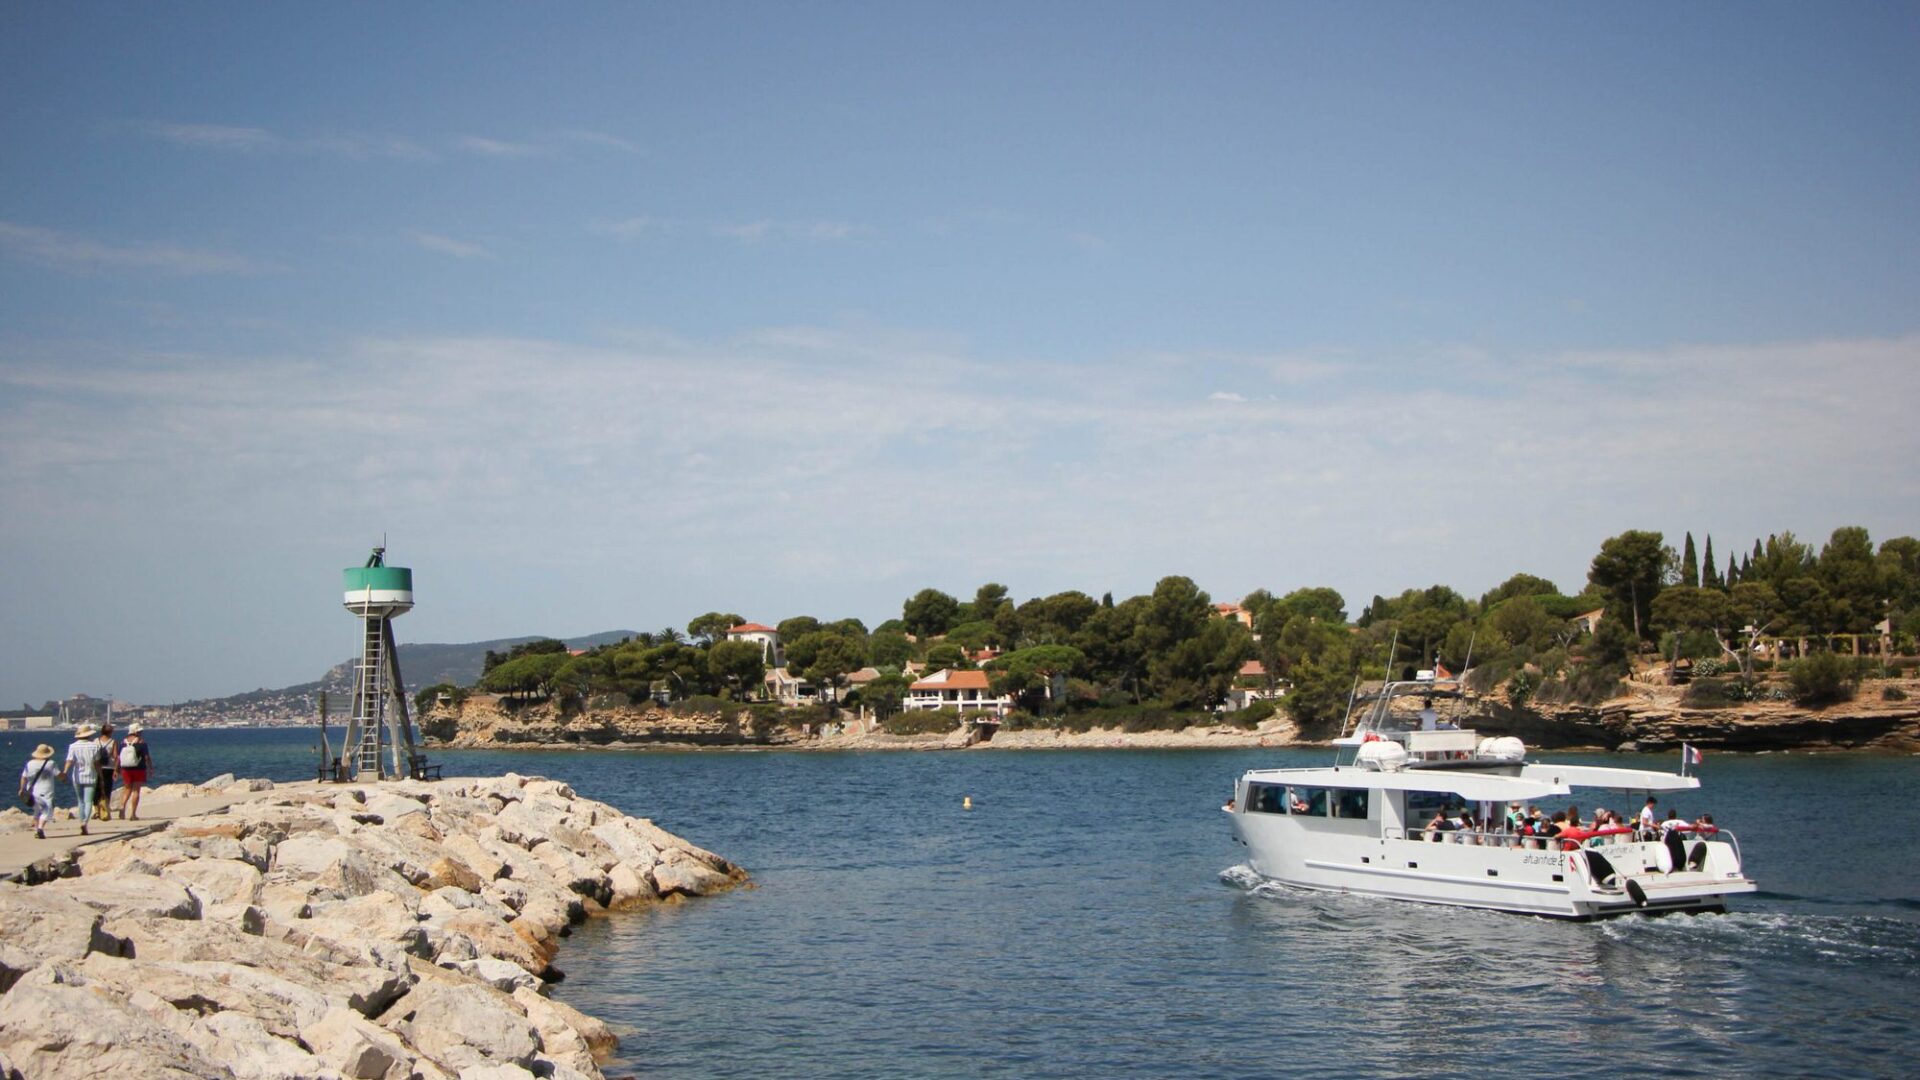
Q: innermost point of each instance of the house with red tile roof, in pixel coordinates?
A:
(951, 689)
(1236, 612)
(764, 636)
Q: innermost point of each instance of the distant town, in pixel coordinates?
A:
(291, 707)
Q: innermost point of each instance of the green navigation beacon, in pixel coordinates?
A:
(379, 739)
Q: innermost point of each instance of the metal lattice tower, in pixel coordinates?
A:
(379, 740)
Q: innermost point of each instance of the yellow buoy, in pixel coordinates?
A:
(966, 802)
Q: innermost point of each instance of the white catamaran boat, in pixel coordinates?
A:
(1377, 822)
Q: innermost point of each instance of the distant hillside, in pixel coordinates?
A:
(427, 664)
(421, 665)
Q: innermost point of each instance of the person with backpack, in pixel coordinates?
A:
(135, 759)
(83, 765)
(109, 764)
(36, 788)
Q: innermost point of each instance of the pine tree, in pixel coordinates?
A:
(1690, 565)
(1709, 573)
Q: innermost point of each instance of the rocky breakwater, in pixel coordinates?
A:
(401, 931)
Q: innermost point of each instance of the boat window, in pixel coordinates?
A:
(1350, 804)
(1422, 805)
(1307, 800)
(1266, 799)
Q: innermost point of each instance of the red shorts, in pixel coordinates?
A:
(130, 777)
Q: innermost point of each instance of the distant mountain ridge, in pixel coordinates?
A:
(421, 665)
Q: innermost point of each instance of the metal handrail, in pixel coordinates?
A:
(1509, 839)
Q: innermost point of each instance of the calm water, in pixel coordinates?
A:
(1086, 918)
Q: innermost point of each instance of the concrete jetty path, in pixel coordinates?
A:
(19, 849)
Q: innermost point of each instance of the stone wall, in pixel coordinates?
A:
(392, 931)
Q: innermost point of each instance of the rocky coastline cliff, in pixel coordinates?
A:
(1646, 717)
(391, 931)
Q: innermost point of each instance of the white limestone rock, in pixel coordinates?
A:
(50, 925)
(567, 1034)
(218, 881)
(115, 895)
(253, 1053)
(463, 1024)
(56, 1024)
(502, 975)
(687, 876)
(356, 1047)
(283, 1005)
(630, 884)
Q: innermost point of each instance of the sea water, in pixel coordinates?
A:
(1090, 916)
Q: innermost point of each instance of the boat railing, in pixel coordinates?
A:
(1508, 839)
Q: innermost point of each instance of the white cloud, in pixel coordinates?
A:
(744, 232)
(875, 461)
(816, 231)
(67, 251)
(633, 228)
(218, 136)
(233, 139)
(447, 245)
(496, 147)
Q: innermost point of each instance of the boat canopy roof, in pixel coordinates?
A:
(1537, 781)
(1604, 776)
(1468, 784)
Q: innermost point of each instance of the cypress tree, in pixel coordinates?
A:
(1733, 573)
(1709, 573)
(1690, 565)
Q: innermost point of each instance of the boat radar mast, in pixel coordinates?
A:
(378, 744)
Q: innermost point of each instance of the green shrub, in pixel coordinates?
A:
(1254, 714)
(1584, 684)
(702, 703)
(428, 697)
(921, 722)
(1522, 686)
(1708, 667)
(1718, 693)
(1822, 678)
(1892, 693)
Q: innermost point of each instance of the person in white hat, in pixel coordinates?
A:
(135, 760)
(83, 766)
(36, 787)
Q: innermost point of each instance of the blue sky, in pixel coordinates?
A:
(609, 316)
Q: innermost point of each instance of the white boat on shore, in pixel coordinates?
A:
(1375, 823)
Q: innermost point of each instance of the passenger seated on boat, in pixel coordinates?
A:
(1704, 824)
(1350, 804)
(1439, 825)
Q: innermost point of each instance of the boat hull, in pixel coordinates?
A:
(1631, 878)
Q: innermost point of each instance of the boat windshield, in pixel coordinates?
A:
(1307, 801)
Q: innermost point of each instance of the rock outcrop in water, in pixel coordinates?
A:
(1657, 719)
(483, 721)
(390, 931)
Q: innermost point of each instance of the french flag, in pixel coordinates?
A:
(1689, 755)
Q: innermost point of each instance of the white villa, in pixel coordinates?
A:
(764, 636)
(949, 689)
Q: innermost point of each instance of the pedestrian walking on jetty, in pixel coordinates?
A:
(103, 791)
(135, 759)
(83, 767)
(36, 788)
